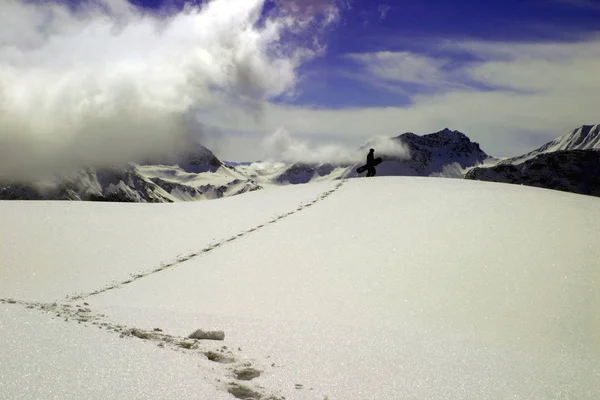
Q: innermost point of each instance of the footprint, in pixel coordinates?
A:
(217, 357)
(246, 374)
(242, 392)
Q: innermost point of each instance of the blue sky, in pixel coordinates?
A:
(368, 26)
(437, 31)
(295, 75)
(416, 25)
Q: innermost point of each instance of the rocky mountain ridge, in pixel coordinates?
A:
(570, 163)
(429, 154)
(585, 137)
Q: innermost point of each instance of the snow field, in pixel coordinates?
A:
(49, 250)
(385, 288)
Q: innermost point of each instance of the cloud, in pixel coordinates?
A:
(383, 10)
(397, 67)
(388, 147)
(282, 146)
(589, 4)
(105, 83)
(501, 94)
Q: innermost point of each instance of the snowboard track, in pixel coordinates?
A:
(186, 257)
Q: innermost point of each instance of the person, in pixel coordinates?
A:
(371, 163)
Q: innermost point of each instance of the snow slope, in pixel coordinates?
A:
(51, 249)
(383, 288)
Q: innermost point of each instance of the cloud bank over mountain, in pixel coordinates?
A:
(106, 83)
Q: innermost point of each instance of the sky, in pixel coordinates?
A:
(103, 81)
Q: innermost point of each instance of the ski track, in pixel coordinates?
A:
(186, 257)
(238, 373)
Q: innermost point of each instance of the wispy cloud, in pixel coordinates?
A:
(401, 66)
(589, 4)
(383, 10)
(395, 71)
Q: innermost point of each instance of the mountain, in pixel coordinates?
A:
(570, 163)
(305, 172)
(444, 153)
(390, 288)
(107, 184)
(430, 154)
(586, 137)
(196, 174)
(575, 171)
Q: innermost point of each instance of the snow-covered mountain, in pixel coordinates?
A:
(586, 137)
(444, 153)
(304, 172)
(575, 171)
(389, 288)
(431, 154)
(196, 174)
(570, 163)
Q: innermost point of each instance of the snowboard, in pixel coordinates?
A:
(365, 167)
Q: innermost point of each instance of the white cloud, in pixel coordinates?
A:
(282, 146)
(540, 91)
(401, 67)
(387, 146)
(107, 83)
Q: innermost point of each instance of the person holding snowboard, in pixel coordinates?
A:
(371, 163)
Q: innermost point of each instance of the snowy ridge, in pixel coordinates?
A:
(574, 171)
(570, 163)
(586, 137)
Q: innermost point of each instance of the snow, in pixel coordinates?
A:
(51, 249)
(586, 137)
(51, 359)
(383, 288)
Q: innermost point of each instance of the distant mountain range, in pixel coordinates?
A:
(194, 175)
(570, 163)
(446, 153)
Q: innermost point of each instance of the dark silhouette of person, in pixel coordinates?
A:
(371, 163)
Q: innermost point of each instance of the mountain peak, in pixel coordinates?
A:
(585, 137)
